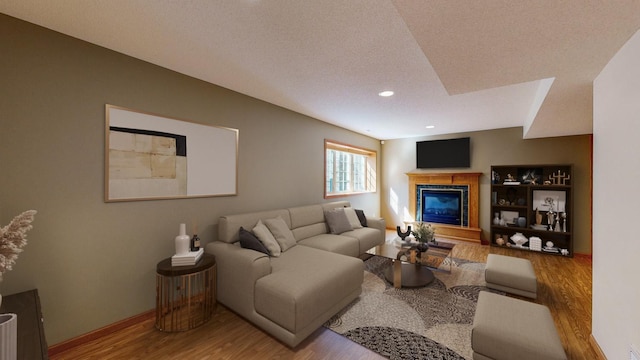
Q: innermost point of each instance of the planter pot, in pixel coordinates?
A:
(422, 247)
(8, 336)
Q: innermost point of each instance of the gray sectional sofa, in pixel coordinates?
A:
(293, 294)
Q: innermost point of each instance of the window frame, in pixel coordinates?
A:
(370, 169)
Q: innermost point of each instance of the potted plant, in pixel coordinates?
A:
(424, 233)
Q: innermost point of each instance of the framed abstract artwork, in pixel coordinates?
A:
(149, 156)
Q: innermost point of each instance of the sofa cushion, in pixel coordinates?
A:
(281, 232)
(338, 244)
(307, 221)
(265, 236)
(367, 238)
(337, 220)
(305, 283)
(352, 217)
(249, 241)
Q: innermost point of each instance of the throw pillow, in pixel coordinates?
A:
(337, 221)
(361, 217)
(250, 241)
(353, 218)
(281, 232)
(265, 237)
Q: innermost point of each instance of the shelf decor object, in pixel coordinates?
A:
(535, 203)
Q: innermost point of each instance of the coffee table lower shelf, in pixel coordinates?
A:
(402, 274)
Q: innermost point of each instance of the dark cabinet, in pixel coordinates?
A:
(31, 341)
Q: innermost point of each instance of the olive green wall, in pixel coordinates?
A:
(494, 147)
(94, 262)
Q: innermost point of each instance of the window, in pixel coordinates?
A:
(348, 169)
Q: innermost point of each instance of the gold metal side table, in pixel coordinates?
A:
(185, 295)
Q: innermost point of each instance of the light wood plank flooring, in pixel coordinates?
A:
(564, 285)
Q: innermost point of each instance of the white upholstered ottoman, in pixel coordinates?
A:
(512, 275)
(506, 328)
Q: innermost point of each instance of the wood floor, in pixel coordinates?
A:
(564, 285)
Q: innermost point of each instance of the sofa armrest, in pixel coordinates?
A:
(237, 271)
(378, 223)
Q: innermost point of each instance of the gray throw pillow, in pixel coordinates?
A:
(281, 232)
(353, 218)
(337, 221)
(249, 241)
(266, 238)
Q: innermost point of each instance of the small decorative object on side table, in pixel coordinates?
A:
(185, 295)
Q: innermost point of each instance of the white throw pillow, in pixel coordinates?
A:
(352, 217)
(264, 235)
(281, 232)
(337, 221)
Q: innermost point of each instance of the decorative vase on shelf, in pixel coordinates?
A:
(522, 221)
(183, 241)
(519, 239)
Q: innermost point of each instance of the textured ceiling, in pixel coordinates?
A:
(460, 65)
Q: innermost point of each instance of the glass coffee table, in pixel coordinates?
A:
(412, 268)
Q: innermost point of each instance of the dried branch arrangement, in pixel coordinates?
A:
(13, 238)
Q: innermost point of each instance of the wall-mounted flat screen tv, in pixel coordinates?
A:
(448, 153)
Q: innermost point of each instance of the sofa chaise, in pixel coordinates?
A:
(313, 277)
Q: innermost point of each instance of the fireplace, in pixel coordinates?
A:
(449, 201)
(442, 206)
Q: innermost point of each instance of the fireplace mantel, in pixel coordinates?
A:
(472, 232)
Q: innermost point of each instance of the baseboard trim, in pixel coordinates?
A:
(584, 256)
(596, 348)
(98, 333)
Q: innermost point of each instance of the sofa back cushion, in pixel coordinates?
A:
(307, 221)
(229, 225)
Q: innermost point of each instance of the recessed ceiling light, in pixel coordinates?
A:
(430, 126)
(386, 93)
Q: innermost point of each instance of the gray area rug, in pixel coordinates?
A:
(433, 322)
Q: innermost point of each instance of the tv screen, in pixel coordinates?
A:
(449, 153)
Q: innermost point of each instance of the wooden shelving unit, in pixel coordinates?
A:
(538, 203)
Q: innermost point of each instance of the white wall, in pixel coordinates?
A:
(616, 167)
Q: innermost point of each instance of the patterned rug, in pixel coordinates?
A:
(433, 322)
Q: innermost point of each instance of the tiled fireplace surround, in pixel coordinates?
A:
(471, 232)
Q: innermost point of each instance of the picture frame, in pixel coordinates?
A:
(509, 216)
(530, 175)
(150, 156)
(540, 200)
